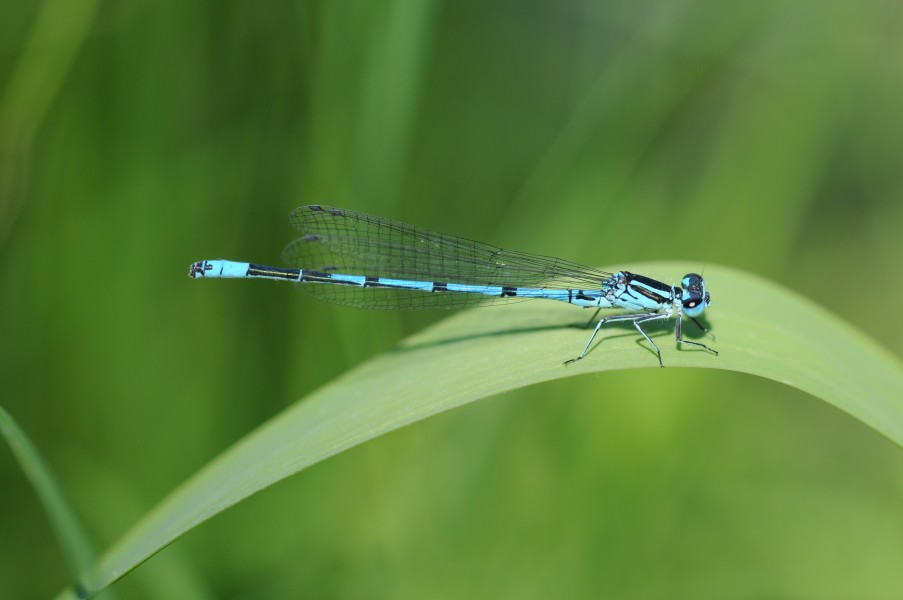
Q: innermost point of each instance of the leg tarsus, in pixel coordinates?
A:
(713, 351)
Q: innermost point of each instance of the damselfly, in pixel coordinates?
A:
(365, 261)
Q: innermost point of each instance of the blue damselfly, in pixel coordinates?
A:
(361, 260)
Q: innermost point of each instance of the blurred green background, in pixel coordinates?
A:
(137, 137)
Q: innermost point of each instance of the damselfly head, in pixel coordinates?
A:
(694, 298)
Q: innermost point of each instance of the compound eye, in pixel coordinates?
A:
(691, 302)
(692, 282)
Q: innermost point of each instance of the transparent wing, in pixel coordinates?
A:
(342, 241)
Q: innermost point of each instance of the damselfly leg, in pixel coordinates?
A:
(636, 319)
(678, 334)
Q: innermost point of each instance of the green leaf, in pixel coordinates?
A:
(72, 537)
(761, 329)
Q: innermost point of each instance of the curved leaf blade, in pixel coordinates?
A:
(762, 329)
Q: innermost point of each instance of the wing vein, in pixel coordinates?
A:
(343, 241)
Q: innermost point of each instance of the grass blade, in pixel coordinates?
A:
(72, 537)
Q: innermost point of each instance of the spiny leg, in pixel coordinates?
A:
(715, 352)
(644, 319)
(591, 338)
(680, 340)
(629, 317)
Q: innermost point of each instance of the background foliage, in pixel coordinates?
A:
(137, 137)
